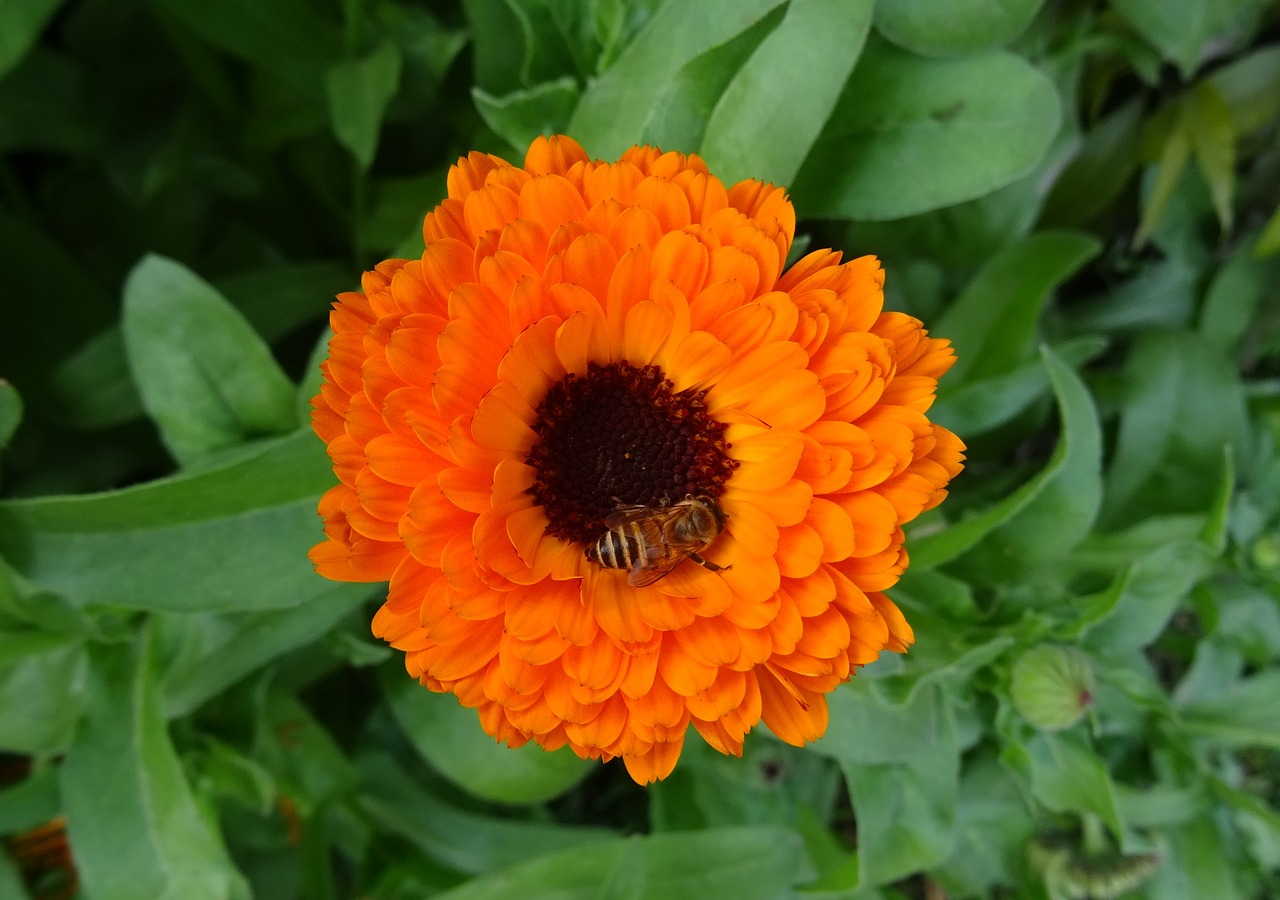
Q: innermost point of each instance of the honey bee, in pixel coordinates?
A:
(652, 540)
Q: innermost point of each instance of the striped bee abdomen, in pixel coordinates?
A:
(619, 547)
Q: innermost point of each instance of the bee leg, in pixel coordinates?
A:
(708, 564)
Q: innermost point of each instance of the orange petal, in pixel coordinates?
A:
(793, 714)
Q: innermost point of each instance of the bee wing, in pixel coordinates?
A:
(647, 571)
(662, 552)
(658, 516)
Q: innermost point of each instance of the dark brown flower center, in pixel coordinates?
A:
(622, 436)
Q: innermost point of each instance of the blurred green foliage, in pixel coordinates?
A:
(1083, 196)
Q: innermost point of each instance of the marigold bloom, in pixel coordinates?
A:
(582, 336)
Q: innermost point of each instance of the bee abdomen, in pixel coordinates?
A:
(615, 550)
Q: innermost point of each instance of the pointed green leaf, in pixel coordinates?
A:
(10, 412)
(359, 91)
(994, 323)
(1100, 169)
(1067, 775)
(906, 809)
(1181, 38)
(463, 839)
(205, 377)
(30, 803)
(1246, 715)
(618, 104)
(1043, 518)
(503, 38)
(21, 22)
(225, 539)
(788, 86)
(134, 825)
(219, 649)
(911, 134)
(1250, 86)
(1145, 596)
(11, 879)
(967, 26)
(288, 38)
(1213, 143)
(1235, 296)
(41, 690)
(1182, 404)
(449, 737)
(745, 863)
(522, 115)
(1269, 241)
(1199, 864)
(988, 403)
(1175, 150)
(681, 113)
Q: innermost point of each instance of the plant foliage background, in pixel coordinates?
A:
(1082, 195)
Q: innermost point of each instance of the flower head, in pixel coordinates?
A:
(586, 351)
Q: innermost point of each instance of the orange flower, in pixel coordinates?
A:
(581, 338)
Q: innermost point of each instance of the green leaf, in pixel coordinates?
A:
(1269, 240)
(868, 728)
(134, 825)
(522, 115)
(449, 737)
(1250, 86)
(1213, 143)
(1199, 864)
(994, 323)
(30, 803)
(1234, 297)
(204, 375)
(770, 782)
(744, 863)
(681, 113)
(617, 105)
(226, 539)
(29, 346)
(219, 649)
(93, 387)
(21, 22)
(464, 840)
(1045, 517)
(1182, 38)
(1175, 150)
(11, 879)
(911, 134)
(1160, 295)
(300, 753)
(226, 772)
(10, 412)
(983, 405)
(906, 809)
(287, 38)
(993, 828)
(1067, 775)
(789, 86)
(1182, 405)
(503, 38)
(967, 26)
(41, 690)
(278, 298)
(1145, 596)
(359, 91)
(1101, 168)
(1245, 715)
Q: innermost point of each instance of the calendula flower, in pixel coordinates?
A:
(589, 349)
